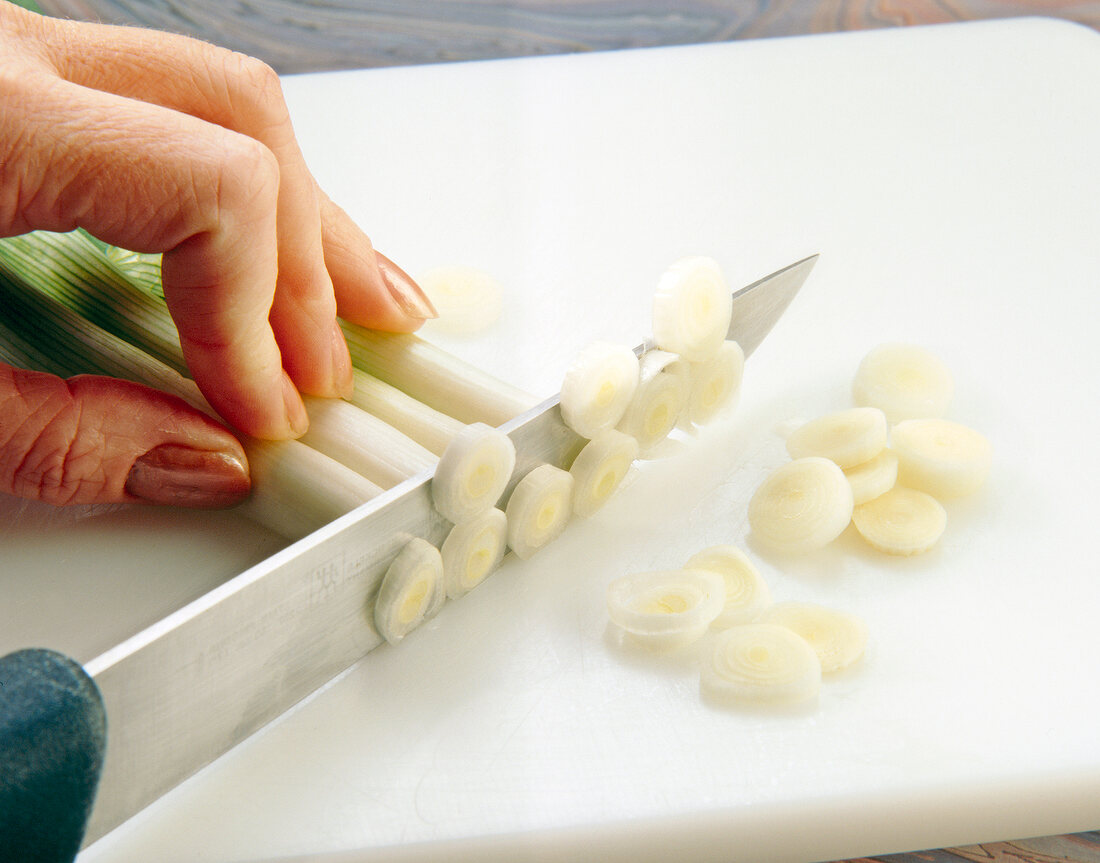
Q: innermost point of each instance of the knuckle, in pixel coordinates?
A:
(249, 174)
(256, 89)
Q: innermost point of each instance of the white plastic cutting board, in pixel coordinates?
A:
(950, 179)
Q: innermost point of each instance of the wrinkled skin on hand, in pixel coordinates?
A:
(159, 143)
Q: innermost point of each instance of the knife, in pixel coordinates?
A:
(199, 681)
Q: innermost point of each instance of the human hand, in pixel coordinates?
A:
(160, 143)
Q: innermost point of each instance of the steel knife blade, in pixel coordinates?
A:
(196, 683)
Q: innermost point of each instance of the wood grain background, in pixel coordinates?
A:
(314, 35)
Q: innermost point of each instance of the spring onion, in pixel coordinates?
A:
(435, 377)
(658, 401)
(76, 271)
(874, 477)
(599, 469)
(904, 381)
(746, 592)
(295, 489)
(847, 437)
(666, 608)
(902, 521)
(837, 637)
(473, 550)
(803, 505)
(760, 663)
(715, 383)
(473, 472)
(411, 592)
(539, 509)
(598, 387)
(692, 308)
(944, 458)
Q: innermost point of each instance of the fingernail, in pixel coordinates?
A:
(177, 475)
(296, 416)
(406, 293)
(341, 363)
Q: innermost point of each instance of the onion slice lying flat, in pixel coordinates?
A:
(902, 521)
(848, 437)
(941, 457)
(666, 607)
(746, 592)
(760, 663)
(803, 505)
(904, 381)
(837, 637)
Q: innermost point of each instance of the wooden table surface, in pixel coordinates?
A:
(314, 35)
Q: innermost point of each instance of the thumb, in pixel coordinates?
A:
(94, 439)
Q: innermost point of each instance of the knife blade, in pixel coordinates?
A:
(193, 685)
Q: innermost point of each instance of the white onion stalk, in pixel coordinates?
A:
(363, 442)
(692, 308)
(803, 505)
(847, 437)
(599, 469)
(666, 608)
(436, 377)
(539, 509)
(941, 457)
(476, 460)
(715, 383)
(412, 590)
(598, 387)
(658, 401)
(902, 521)
(837, 637)
(746, 592)
(295, 489)
(760, 663)
(473, 550)
(904, 381)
